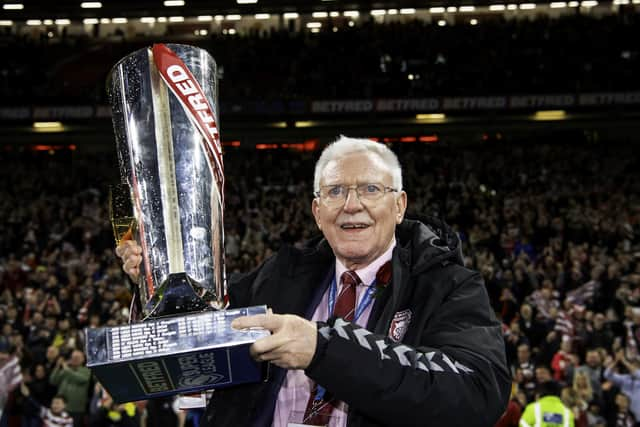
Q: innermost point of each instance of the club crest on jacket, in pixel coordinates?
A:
(399, 325)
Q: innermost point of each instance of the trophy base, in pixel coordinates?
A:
(173, 355)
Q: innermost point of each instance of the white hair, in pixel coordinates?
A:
(345, 145)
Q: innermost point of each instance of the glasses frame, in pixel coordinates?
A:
(385, 189)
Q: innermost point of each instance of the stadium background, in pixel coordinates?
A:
(516, 123)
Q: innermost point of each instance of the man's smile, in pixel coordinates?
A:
(354, 226)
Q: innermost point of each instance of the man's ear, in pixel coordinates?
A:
(315, 210)
(401, 206)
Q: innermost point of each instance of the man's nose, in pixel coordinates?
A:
(352, 203)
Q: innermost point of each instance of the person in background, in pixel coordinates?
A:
(582, 386)
(53, 416)
(41, 391)
(622, 416)
(10, 378)
(51, 359)
(111, 414)
(562, 359)
(511, 416)
(548, 410)
(543, 374)
(578, 406)
(524, 371)
(593, 369)
(628, 383)
(72, 379)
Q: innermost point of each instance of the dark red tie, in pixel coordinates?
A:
(346, 303)
(319, 411)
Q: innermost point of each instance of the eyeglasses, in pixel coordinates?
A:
(337, 194)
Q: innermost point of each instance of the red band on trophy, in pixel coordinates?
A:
(185, 87)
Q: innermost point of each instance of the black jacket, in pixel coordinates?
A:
(448, 370)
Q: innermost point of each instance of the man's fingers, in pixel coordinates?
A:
(131, 254)
(268, 344)
(291, 344)
(274, 353)
(267, 321)
(133, 273)
(132, 251)
(132, 261)
(120, 249)
(268, 357)
(124, 246)
(132, 264)
(279, 358)
(248, 321)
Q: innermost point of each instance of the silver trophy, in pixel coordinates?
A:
(165, 116)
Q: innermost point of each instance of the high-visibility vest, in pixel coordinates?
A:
(547, 412)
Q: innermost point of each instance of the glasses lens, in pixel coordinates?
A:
(333, 193)
(370, 191)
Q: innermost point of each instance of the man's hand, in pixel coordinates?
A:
(131, 255)
(292, 343)
(61, 363)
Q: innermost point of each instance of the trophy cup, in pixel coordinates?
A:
(165, 115)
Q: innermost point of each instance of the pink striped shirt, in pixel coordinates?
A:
(296, 387)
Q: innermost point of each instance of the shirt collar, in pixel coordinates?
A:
(368, 273)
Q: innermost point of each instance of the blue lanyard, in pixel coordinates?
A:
(366, 300)
(364, 303)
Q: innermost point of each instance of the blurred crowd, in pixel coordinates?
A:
(554, 229)
(568, 54)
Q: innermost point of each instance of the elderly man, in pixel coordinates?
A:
(375, 324)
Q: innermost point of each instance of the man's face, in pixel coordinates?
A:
(359, 232)
(543, 375)
(52, 353)
(40, 372)
(523, 353)
(37, 318)
(593, 359)
(598, 321)
(77, 359)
